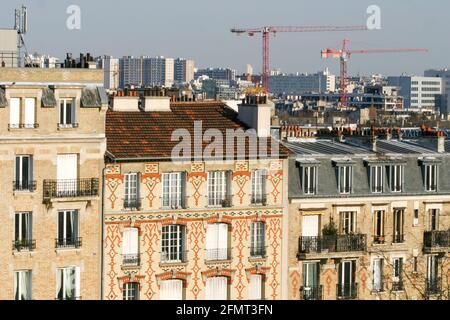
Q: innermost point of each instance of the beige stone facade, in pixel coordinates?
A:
(43, 245)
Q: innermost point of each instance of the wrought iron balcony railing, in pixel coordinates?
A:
(338, 243)
(24, 185)
(71, 188)
(218, 254)
(398, 238)
(132, 203)
(224, 202)
(258, 251)
(23, 125)
(433, 239)
(259, 199)
(433, 286)
(311, 293)
(347, 291)
(24, 244)
(398, 286)
(178, 256)
(68, 298)
(377, 239)
(131, 260)
(74, 242)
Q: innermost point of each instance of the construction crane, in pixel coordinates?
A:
(344, 56)
(266, 31)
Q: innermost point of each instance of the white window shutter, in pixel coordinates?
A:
(310, 226)
(171, 290)
(255, 288)
(211, 240)
(77, 282)
(130, 241)
(216, 288)
(126, 241)
(222, 241)
(14, 113)
(30, 110)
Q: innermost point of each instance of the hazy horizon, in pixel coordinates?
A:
(201, 31)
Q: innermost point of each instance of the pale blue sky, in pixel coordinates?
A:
(199, 29)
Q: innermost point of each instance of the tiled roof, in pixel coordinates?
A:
(148, 134)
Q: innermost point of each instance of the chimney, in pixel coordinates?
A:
(440, 142)
(156, 103)
(373, 142)
(256, 112)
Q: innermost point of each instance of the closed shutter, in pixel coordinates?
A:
(171, 290)
(216, 288)
(130, 244)
(255, 287)
(222, 241)
(310, 226)
(30, 106)
(211, 241)
(67, 172)
(14, 114)
(77, 282)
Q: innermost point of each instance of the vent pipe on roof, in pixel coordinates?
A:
(440, 142)
(373, 141)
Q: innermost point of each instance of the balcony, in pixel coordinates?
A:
(179, 256)
(70, 188)
(433, 287)
(311, 293)
(258, 252)
(259, 200)
(220, 254)
(347, 291)
(225, 202)
(131, 260)
(64, 243)
(398, 238)
(398, 285)
(132, 204)
(436, 241)
(24, 244)
(23, 126)
(68, 298)
(67, 126)
(379, 239)
(332, 244)
(24, 186)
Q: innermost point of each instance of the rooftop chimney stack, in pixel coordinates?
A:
(256, 112)
(440, 142)
(373, 141)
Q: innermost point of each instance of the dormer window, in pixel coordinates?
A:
(67, 114)
(376, 178)
(309, 180)
(430, 177)
(396, 177)
(345, 179)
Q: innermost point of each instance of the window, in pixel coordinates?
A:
(30, 113)
(416, 218)
(23, 231)
(309, 180)
(345, 179)
(415, 265)
(434, 219)
(348, 222)
(68, 283)
(216, 288)
(22, 285)
(346, 288)
(173, 243)
(431, 177)
(173, 189)
(396, 178)
(67, 174)
(258, 246)
(218, 188)
(311, 281)
(376, 179)
(397, 277)
(68, 233)
(377, 285)
(256, 287)
(259, 187)
(130, 247)
(432, 274)
(67, 113)
(14, 114)
(171, 290)
(217, 241)
(131, 291)
(24, 174)
(379, 226)
(131, 198)
(399, 215)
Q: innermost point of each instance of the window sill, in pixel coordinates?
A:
(24, 192)
(225, 261)
(257, 258)
(24, 252)
(67, 250)
(173, 264)
(67, 126)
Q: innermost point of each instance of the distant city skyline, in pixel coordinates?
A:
(202, 32)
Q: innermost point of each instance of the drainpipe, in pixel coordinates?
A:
(102, 251)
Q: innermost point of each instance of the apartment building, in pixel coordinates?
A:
(146, 71)
(187, 227)
(444, 75)
(369, 218)
(183, 70)
(52, 144)
(110, 68)
(422, 94)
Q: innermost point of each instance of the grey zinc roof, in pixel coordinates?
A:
(408, 153)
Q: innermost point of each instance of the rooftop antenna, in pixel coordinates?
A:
(21, 25)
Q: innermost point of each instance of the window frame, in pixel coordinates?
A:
(173, 243)
(63, 120)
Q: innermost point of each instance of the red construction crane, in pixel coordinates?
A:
(266, 31)
(344, 55)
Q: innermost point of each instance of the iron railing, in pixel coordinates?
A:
(179, 256)
(331, 243)
(258, 251)
(24, 185)
(71, 188)
(260, 199)
(68, 298)
(347, 291)
(225, 202)
(398, 238)
(432, 239)
(218, 254)
(377, 239)
(132, 203)
(131, 260)
(398, 286)
(23, 126)
(67, 126)
(311, 293)
(74, 242)
(24, 244)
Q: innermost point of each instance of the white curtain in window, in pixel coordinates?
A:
(216, 288)
(14, 113)
(130, 244)
(310, 226)
(171, 290)
(67, 172)
(255, 288)
(30, 111)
